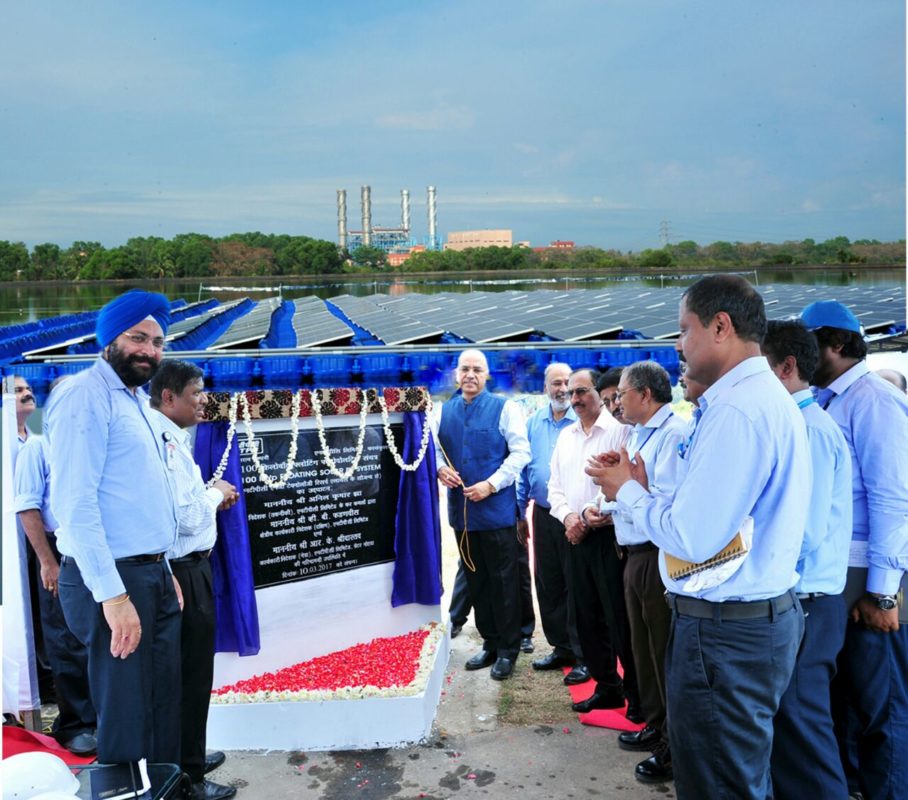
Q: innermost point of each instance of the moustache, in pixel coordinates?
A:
(27, 398)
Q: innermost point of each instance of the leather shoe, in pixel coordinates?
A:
(634, 713)
(213, 761)
(455, 630)
(502, 669)
(645, 739)
(483, 659)
(609, 698)
(209, 790)
(526, 644)
(553, 661)
(84, 744)
(657, 768)
(580, 674)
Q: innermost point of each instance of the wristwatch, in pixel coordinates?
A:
(885, 602)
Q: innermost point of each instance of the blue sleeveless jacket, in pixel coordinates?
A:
(476, 448)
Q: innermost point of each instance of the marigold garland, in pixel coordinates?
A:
(320, 426)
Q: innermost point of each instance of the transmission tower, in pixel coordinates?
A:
(665, 232)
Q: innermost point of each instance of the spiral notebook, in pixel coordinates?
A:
(678, 568)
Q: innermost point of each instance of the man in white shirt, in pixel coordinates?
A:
(595, 570)
(177, 392)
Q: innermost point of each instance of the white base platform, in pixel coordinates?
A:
(372, 722)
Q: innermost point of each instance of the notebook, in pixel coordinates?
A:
(679, 568)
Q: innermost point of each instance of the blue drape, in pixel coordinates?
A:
(237, 628)
(417, 540)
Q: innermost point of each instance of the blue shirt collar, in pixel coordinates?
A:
(570, 415)
(656, 420)
(747, 368)
(802, 395)
(841, 384)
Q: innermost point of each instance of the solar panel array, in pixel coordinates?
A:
(389, 327)
(315, 325)
(184, 326)
(250, 328)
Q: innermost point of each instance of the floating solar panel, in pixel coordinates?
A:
(389, 326)
(315, 325)
(250, 328)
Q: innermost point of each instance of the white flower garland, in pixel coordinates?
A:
(389, 436)
(291, 456)
(231, 430)
(320, 425)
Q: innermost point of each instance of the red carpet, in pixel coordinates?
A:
(602, 717)
(18, 740)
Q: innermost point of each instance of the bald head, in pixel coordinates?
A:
(894, 377)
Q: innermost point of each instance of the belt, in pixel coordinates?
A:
(192, 558)
(148, 558)
(640, 548)
(731, 609)
(812, 595)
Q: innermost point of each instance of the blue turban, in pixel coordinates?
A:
(129, 309)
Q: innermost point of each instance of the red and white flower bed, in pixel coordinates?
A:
(392, 666)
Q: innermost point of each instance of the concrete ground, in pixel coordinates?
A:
(469, 754)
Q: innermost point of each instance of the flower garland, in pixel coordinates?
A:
(389, 437)
(394, 666)
(270, 482)
(231, 430)
(320, 425)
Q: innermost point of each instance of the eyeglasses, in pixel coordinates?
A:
(619, 395)
(157, 342)
(579, 391)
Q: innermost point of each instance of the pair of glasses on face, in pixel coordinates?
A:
(579, 391)
(157, 342)
(619, 395)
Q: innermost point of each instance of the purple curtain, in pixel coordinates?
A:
(237, 628)
(417, 541)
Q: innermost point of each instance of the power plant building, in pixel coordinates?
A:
(464, 240)
(391, 240)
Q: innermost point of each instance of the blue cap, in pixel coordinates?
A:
(129, 309)
(830, 314)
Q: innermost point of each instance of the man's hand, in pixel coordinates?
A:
(478, 491)
(523, 532)
(125, 627)
(610, 478)
(594, 519)
(178, 590)
(873, 618)
(231, 495)
(574, 529)
(449, 477)
(50, 574)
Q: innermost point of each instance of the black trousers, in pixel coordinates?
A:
(597, 578)
(197, 656)
(494, 588)
(650, 621)
(551, 551)
(68, 661)
(460, 595)
(137, 698)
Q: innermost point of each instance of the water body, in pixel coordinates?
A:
(30, 301)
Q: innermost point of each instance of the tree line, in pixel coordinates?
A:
(194, 255)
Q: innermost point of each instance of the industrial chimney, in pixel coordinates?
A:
(405, 210)
(433, 238)
(366, 200)
(342, 219)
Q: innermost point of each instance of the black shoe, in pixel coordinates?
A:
(526, 644)
(483, 659)
(209, 790)
(580, 674)
(657, 768)
(553, 661)
(455, 630)
(213, 761)
(502, 669)
(645, 739)
(612, 697)
(82, 745)
(634, 713)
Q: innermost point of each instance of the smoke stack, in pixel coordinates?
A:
(405, 210)
(342, 218)
(433, 239)
(366, 200)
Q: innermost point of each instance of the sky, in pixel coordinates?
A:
(610, 123)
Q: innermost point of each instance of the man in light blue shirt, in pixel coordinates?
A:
(117, 517)
(803, 734)
(550, 548)
(735, 636)
(870, 695)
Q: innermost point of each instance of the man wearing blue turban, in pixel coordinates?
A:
(117, 518)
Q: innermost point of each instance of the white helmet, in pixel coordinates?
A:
(26, 776)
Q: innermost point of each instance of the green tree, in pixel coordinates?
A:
(368, 256)
(13, 261)
(655, 258)
(45, 262)
(76, 256)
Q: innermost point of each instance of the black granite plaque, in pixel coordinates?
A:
(317, 523)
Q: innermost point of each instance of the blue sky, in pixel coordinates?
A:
(592, 121)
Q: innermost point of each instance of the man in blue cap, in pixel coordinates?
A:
(117, 518)
(870, 695)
